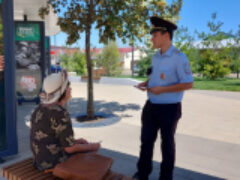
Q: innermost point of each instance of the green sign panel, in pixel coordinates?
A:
(46, 43)
(27, 32)
(0, 1)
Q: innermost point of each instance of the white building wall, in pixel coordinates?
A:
(127, 58)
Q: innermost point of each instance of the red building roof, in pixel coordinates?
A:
(58, 50)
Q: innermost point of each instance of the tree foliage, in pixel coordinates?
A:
(74, 63)
(235, 53)
(109, 59)
(65, 62)
(126, 19)
(114, 18)
(215, 56)
(184, 41)
(79, 63)
(143, 64)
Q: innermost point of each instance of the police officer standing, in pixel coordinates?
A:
(170, 76)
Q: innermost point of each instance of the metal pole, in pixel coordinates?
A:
(9, 75)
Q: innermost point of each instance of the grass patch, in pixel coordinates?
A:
(225, 84)
(220, 84)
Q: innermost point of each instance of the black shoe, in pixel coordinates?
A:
(137, 177)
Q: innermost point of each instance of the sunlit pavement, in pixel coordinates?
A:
(207, 139)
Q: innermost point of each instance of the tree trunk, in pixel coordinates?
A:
(90, 105)
(132, 62)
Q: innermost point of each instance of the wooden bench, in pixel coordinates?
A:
(24, 170)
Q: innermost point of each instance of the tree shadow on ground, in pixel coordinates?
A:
(111, 111)
(126, 164)
(123, 162)
(78, 106)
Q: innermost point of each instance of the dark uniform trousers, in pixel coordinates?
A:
(165, 118)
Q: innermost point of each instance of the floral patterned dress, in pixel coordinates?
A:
(51, 131)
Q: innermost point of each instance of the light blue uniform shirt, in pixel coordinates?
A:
(168, 69)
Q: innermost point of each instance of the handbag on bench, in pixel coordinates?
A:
(83, 166)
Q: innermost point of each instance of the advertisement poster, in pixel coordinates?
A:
(2, 101)
(28, 60)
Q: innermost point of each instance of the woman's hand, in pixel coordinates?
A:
(81, 141)
(89, 147)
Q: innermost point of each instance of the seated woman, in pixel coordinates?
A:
(51, 135)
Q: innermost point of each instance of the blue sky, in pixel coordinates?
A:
(194, 14)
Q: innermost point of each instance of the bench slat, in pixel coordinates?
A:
(19, 163)
(20, 171)
(28, 174)
(5, 171)
(24, 170)
(40, 176)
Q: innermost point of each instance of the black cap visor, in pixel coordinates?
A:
(156, 29)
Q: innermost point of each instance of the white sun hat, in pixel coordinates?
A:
(54, 86)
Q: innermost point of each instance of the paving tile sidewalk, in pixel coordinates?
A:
(208, 137)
